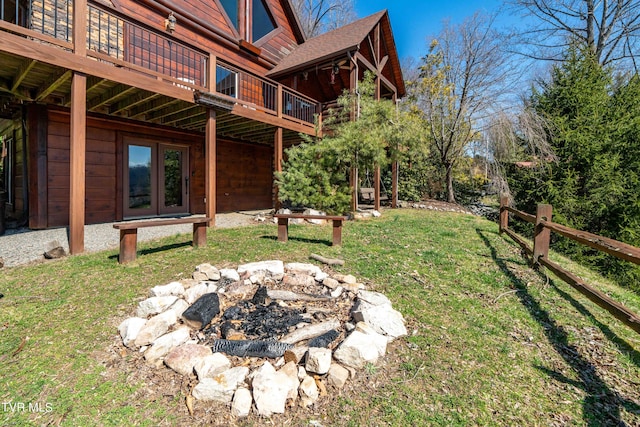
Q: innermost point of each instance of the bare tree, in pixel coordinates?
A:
(320, 16)
(461, 81)
(610, 28)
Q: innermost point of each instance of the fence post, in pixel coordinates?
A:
(541, 234)
(504, 214)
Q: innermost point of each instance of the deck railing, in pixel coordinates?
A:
(114, 39)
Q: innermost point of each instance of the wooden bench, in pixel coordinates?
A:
(129, 233)
(283, 225)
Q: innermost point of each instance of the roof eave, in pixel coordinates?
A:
(315, 61)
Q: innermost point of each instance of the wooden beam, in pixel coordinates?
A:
(5, 86)
(53, 83)
(210, 167)
(26, 66)
(77, 162)
(132, 101)
(154, 105)
(92, 83)
(371, 67)
(382, 63)
(170, 111)
(186, 116)
(113, 94)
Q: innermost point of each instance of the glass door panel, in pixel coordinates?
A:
(140, 197)
(174, 179)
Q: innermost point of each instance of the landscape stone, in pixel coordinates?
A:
(302, 268)
(270, 390)
(179, 307)
(360, 348)
(182, 359)
(222, 387)
(337, 292)
(195, 292)
(229, 274)
(318, 360)
(330, 283)
(199, 276)
(163, 345)
(154, 305)
(173, 288)
(290, 370)
(129, 330)
(298, 279)
(241, 404)
(382, 318)
(272, 268)
(210, 271)
(295, 354)
(320, 276)
(348, 279)
(315, 212)
(337, 375)
(211, 365)
(373, 298)
(309, 392)
(156, 327)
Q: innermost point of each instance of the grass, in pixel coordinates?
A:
(491, 342)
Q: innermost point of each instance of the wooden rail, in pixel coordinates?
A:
(543, 226)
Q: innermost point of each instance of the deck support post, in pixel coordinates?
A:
(376, 187)
(277, 160)
(77, 157)
(210, 167)
(353, 183)
(394, 184)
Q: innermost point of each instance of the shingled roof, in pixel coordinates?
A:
(327, 45)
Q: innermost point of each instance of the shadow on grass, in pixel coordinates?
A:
(602, 405)
(301, 239)
(150, 251)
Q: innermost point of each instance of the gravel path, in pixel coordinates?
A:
(23, 246)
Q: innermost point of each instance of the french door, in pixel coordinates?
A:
(156, 179)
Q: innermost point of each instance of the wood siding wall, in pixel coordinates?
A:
(16, 205)
(244, 177)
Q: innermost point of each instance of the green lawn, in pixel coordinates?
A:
(491, 341)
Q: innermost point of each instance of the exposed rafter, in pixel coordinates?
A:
(26, 66)
(132, 101)
(112, 95)
(53, 83)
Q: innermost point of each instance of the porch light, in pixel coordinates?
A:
(170, 23)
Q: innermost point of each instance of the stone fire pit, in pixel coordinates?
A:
(264, 335)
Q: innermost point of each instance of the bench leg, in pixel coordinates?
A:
(337, 232)
(128, 245)
(199, 234)
(283, 229)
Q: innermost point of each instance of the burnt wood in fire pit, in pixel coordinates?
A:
(246, 348)
(202, 311)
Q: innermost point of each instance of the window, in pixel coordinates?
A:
(231, 7)
(226, 81)
(262, 22)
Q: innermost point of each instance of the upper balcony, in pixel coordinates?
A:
(163, 73)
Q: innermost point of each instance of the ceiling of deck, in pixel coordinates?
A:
(24, 80)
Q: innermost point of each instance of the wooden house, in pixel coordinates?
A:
(118, 109)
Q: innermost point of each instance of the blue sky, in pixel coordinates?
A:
(413, 21)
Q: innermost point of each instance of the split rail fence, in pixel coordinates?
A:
(543, 226)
